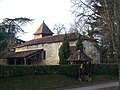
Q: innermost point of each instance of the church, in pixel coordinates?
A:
(44, 48)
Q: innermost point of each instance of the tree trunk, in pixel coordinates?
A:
(117, 33)
(119, 75)
(115, 30)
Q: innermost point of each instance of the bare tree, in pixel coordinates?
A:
(113, 17)
(106, 18)
(85, 13)
(59, 28)
(76, 28)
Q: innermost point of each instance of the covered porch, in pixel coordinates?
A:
(25, 57)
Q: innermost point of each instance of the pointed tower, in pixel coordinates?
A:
(43, 31)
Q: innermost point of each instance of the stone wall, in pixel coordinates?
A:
(52, 51)
(37, 36)
(24, 48)
(91, 51)
(50, 62)
(36, 62)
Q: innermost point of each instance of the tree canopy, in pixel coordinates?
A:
(103, 19)
(9, 28)
(99, 16)
(64, 51)
(79, 44)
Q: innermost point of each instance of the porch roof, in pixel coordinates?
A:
(79, 56)
(22, 54)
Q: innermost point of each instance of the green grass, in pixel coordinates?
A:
(45, 82)
(35, 82)
(105, 77)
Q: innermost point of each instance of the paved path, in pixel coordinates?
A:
(98, 86)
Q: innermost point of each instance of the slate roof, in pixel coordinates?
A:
(43, 29)
(22, 54)
(79, 56)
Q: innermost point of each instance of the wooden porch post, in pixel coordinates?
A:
(42, 54)
(24, 61)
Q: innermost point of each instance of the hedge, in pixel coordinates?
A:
(107, 68)
(69, 70)
(12, 70)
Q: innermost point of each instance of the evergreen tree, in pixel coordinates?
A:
(9, 29)
(79, 44)
(64, 51)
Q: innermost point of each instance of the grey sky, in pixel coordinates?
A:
(51, 11)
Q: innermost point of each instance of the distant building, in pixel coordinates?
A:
(44, 48)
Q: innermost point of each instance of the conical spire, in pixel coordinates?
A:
(42, 31)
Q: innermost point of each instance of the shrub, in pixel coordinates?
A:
(9, 70)
(69, 70)
(98, 69)
(79, 44)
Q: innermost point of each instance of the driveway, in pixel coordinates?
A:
(97, 86)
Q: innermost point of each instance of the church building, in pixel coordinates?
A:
(44, 48)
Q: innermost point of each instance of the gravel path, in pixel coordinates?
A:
(97, 86)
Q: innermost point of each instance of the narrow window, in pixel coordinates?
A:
(43, 55)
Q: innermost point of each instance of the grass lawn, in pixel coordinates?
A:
(45, 82)
(34, 82)
(105, 78)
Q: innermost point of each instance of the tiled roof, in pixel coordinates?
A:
(22, 54)
(43, 29)
(49, 39)
(79, 56)
(53, 39)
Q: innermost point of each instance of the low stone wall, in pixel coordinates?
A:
(36, 62)
(50, 62)
(3, 61)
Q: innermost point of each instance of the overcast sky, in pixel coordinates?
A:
(51, 11)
